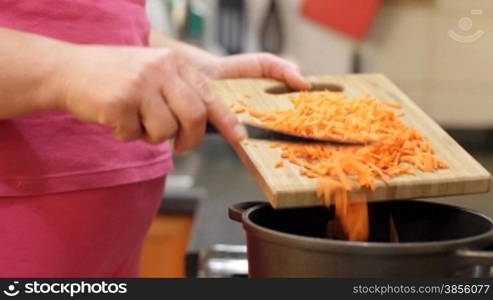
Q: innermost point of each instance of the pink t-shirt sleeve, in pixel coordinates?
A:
(52, 152)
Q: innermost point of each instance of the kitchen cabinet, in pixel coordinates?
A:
(163, 253)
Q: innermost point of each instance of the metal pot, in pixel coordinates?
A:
(435, 240)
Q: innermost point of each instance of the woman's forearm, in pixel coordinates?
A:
(29, 67)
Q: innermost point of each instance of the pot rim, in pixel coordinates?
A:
(372, 248)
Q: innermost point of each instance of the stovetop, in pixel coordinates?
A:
(223, 261)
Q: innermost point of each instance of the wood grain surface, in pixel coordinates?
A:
(285, 187)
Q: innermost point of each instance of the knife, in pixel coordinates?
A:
(258, 131)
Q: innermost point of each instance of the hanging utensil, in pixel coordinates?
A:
(271, 35)
(231, 25)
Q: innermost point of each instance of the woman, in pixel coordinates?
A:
(86, 108)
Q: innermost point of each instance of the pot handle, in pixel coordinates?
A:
(235, 211)
(475, 257)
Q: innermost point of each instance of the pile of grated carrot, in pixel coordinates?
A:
(392, 149)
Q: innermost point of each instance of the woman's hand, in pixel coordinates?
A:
(251, 65)
(255, 65)
(158, 93)
(149, 93)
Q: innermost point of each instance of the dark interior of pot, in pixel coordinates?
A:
(413, 221)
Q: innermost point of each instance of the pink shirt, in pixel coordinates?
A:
(52, 152)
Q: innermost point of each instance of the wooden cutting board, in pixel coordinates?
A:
(285, 187)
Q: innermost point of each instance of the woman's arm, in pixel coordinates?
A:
(29, 65)
(95, 84)
(148, 93)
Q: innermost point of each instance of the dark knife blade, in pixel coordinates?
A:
(257, 131)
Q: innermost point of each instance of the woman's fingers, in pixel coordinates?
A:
(264, 65)
(157, 120)
(187, 106)
(278, 68)
(217, 112)
(225, 122)
(122, 120)
(129, 128)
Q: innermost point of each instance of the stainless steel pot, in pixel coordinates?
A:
(436, 240)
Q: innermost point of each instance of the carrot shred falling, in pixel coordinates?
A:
(395, 149)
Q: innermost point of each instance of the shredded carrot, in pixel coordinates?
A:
(279, 164)
(393, 104)
(395, 149)
(239, 110)
(242, 103)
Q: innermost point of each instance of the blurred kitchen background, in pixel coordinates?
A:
(438, 51)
